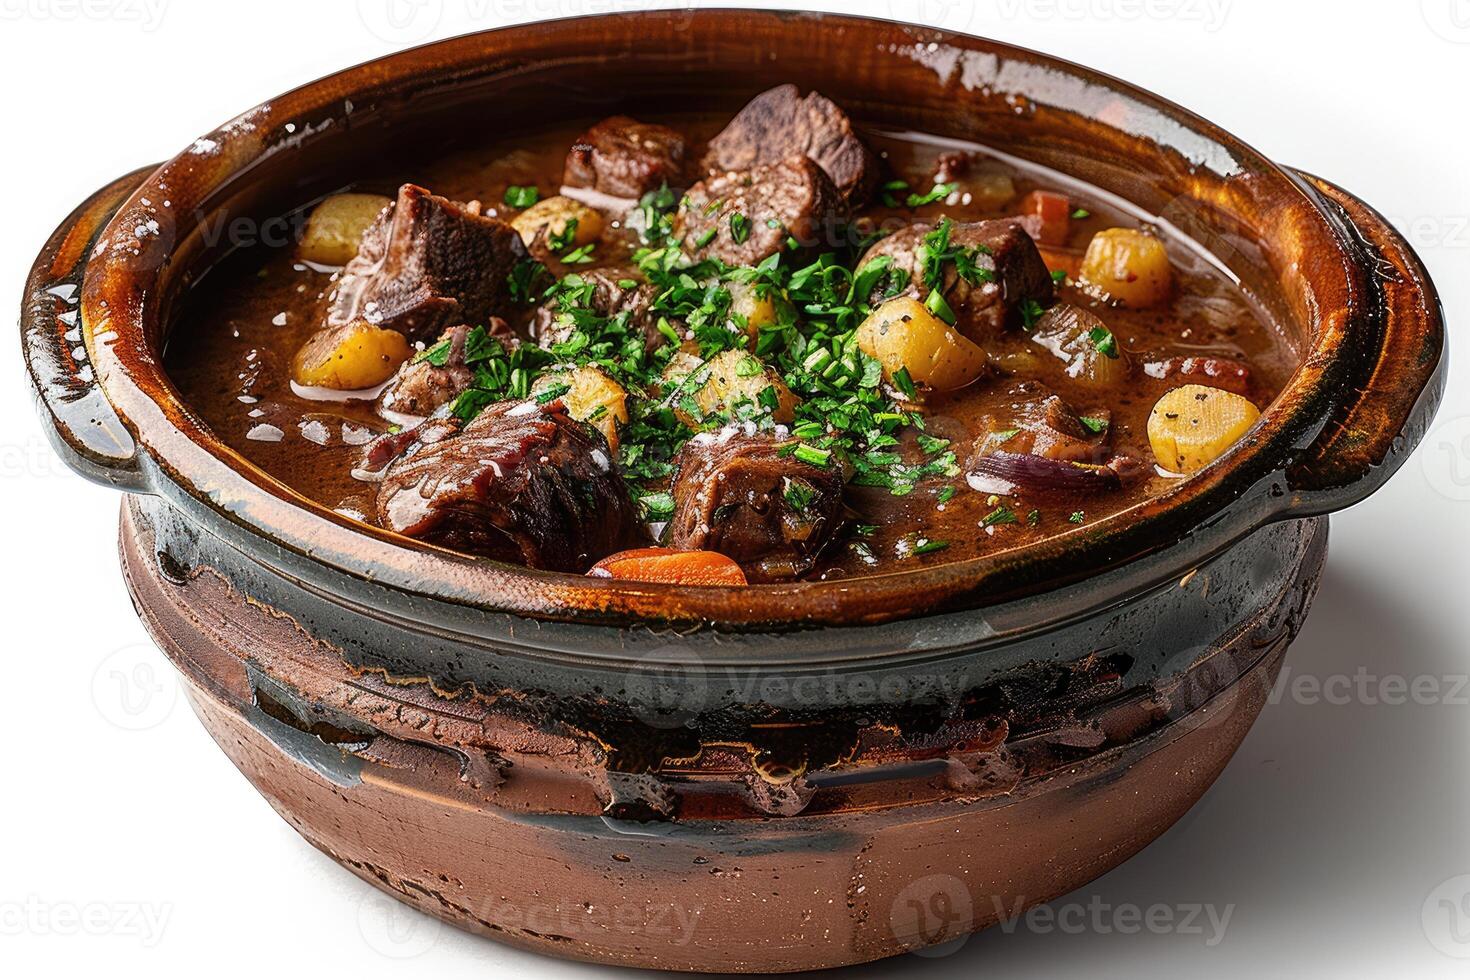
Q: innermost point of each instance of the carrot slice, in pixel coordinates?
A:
(668, 565)
(1055, 212)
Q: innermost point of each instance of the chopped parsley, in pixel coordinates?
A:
(936, 304)
(1094, 425)
(656, 506)
(1031, 312)
(1001, 515)
(1103, 341)
(889, 191)
(521, 197)
(739, 228)
(936, 251)
(1081, 213)
(1077, 517)
(937, 193)
(559, 241)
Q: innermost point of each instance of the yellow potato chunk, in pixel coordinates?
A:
(351, 357)
(591, 397)
(756, 306)
(1131, 266)
(726, 382)
(902, 333)
(549, 218)
(1191, 427)
(335, 227)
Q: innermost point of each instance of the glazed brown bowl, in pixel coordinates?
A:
(781, 777)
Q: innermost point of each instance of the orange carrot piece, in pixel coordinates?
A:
(670, 566)
(1055, 212)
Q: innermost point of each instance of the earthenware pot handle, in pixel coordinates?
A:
(78, 418)
(1397, 377)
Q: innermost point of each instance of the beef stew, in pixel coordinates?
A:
(816, 349)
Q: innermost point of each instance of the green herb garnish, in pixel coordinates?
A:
(521, 197)
(1103, 341)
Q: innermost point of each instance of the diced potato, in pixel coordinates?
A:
(757, 306)
(592, 397)
(1191, 427)
(902, 333)
(549, 218)
(351, 357)
(1131, 266)
(726, 381)
(1092, 353)
(335, 227)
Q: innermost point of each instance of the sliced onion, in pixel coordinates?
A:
(1005, 473)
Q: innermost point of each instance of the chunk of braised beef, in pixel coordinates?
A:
(742, 217)
(437, 376)
(522, 483)
(781, 123)
(746, 496)
(1214, 372)
(406, 441)
(611, 291)
(1008, 277)
(623, 157)
(426, 263)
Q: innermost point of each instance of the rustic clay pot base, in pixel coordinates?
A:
(746, 895)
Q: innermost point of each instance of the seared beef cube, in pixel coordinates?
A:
(606, 292)
(427, 263)
(437, 376)
(745, 216)
(780, 124)
(746, 497)
(1040, 423)
(1011, 274)
(626, 158)
(521, 483)
(394, 446)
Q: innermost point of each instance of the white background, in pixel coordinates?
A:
(129, 846)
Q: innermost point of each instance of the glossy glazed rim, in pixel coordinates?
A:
(124, 301)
